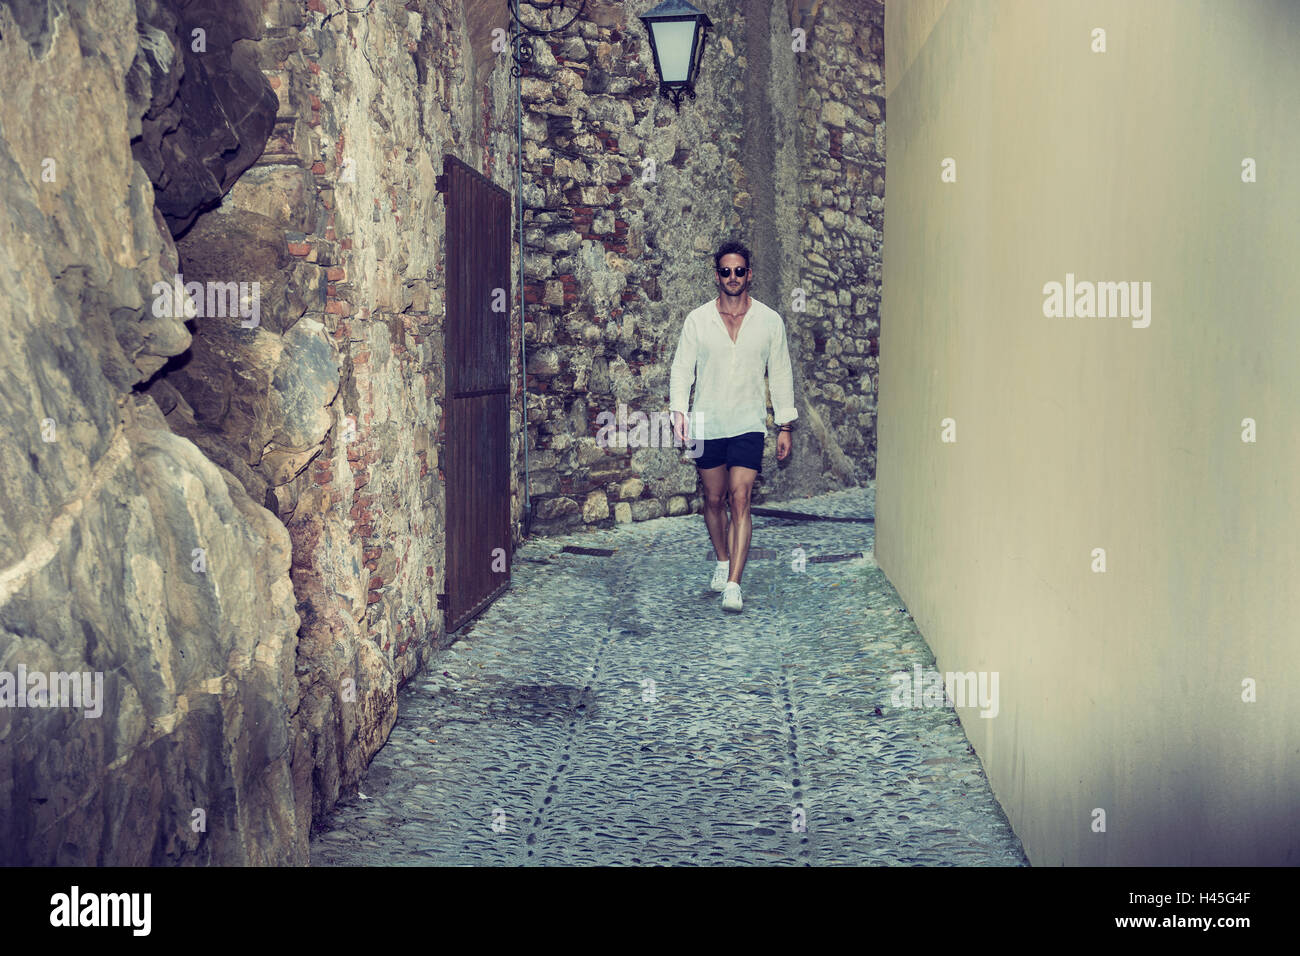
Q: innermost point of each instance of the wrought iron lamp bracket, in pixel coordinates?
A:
(522, 52)
(675, 94)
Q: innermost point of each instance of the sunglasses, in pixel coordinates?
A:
(740, 272)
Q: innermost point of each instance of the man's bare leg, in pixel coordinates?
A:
(740, 484)
(715, 504)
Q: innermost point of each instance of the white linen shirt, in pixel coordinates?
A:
(728, 376)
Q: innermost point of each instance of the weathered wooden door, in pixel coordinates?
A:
(476, 447)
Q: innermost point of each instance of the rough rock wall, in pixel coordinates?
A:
(256, 573)
(126, 557)
(618, 251)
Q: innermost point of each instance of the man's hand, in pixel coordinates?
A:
(679, 426)
(783, 444)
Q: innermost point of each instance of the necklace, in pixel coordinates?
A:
(732, 315)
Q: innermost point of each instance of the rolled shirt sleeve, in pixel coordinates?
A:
(780, 377)
(683, 371)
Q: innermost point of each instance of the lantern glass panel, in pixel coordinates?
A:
(673, 41)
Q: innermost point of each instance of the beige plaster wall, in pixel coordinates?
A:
(1120, 690)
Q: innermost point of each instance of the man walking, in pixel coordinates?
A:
(725, 347)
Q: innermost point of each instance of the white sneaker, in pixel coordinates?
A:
(720, 574)
(731, 597)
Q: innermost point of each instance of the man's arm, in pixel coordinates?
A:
(781, 377)
(682, 376)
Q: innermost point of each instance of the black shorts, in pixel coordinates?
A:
(744, 450)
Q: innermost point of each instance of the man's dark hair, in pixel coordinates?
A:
(729, 249)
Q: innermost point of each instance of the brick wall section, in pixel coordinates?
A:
(370, 101)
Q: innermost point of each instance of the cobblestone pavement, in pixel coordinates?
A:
(606, 710)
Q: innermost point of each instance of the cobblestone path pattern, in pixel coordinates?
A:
(767, 737)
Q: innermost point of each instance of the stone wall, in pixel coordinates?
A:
(625, 202)
(841, 124)
(609, 265)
